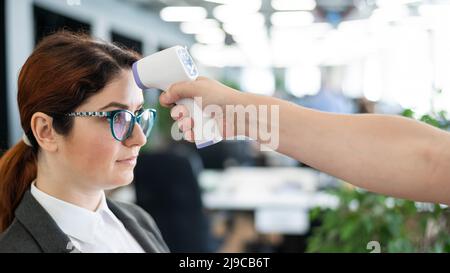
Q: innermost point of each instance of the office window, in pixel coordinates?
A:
(47, 22)
(127, 42)
(3, 110)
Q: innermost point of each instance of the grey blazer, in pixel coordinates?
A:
(34, 231)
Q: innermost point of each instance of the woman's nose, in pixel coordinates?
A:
(137, 137)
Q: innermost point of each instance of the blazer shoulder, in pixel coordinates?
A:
(135, 218)
(16, 239)
(139, 214)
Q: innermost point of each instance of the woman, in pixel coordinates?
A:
(385, 154)
(78, 107)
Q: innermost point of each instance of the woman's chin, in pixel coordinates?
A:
(120, 181)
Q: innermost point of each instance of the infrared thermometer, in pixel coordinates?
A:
(164, 68)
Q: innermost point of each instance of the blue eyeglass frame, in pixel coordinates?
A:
(111, 114)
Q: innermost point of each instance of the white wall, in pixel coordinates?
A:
(104, 16)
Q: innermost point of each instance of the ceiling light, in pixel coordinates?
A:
(183, 14)
(284, 5)
(292, 18)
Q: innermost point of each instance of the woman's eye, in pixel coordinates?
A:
(118, 118)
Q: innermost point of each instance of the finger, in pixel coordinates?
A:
(189, 136)
(178, 91)
(162, 101)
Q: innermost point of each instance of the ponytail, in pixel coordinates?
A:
(17, 170)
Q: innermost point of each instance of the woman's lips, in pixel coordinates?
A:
(129, 161)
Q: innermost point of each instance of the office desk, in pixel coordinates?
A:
(280, 197)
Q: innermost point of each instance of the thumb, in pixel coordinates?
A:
(176, 92)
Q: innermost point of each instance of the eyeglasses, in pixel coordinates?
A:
(122, 121)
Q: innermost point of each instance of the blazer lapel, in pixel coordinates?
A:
(52, 239)
(147, 240)
(41, 226)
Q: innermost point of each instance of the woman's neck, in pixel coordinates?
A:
(69, 191)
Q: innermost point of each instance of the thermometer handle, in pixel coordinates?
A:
(206, 130)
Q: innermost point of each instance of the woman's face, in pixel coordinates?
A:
(90, 152)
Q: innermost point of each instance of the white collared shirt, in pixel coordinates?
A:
(89, 231)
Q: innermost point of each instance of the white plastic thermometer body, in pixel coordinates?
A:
(172, 65)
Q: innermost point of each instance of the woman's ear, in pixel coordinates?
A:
(42, 127)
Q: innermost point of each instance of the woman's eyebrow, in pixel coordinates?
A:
(118, 105)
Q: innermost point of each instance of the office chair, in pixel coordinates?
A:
(167, 188)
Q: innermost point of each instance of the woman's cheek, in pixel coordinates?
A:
(96, 155)
(103, 154)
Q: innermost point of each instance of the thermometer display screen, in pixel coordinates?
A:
(188, 63)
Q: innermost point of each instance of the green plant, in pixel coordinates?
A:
(231, 83)
(397, 225)
(439, 119)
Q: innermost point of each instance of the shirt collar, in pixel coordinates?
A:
(73, 220)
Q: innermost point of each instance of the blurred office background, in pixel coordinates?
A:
(343, 56)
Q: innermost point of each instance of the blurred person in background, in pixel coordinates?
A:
(330, 97)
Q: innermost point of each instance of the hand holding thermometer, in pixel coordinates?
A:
(172, 65)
